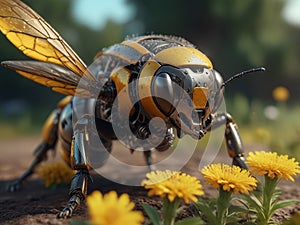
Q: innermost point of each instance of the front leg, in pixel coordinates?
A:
(78, 189)
(233, 140)
(234, 143)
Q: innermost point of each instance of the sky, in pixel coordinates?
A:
(95, 13)
(291, 12)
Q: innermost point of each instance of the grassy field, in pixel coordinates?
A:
(281, 134)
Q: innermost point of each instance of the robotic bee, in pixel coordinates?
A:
(145, 76)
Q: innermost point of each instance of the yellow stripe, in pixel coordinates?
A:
(63, 102)
(120, 77)
(182, 56)
(135, 46)
(144, 89)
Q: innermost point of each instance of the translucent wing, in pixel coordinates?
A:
(59, 78)
(37, 39)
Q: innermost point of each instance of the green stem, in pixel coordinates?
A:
(170, 210)
(268, 190)
(223, 203)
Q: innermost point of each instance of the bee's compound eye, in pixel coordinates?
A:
(163, 92)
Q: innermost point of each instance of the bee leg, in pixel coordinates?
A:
(234, 143)
(41, 151)
(49, 142)
(232, 138)
(78, 189)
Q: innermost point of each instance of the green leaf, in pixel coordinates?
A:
(284, 203)
(277, 193)
(207, 211)
(152, 213)
(253, 202)
(169, 210)
(257, 194)
(190, 221)
(233, 220)
(79, 222)
(244, 203)
(237, 209)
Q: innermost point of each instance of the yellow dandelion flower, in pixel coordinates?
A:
(229, 178)
(55, 173)
(273, 165)
(172, 185)
(111, 210)
(281, 94)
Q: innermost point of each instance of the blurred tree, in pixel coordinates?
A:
(236, 35)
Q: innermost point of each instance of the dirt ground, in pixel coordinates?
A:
(35, 204)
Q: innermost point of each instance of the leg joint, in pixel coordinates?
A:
(79, 184)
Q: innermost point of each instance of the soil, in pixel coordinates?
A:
(35, 204)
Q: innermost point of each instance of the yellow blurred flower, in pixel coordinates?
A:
(281, 94)
(173, 184)
(55, 173)
(229, 178)
(273, 165)
(262, 135)
(111, 210)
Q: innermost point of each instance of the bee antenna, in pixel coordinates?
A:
(242, 74)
